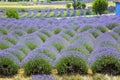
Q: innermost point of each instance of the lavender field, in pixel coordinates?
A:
(81, 45)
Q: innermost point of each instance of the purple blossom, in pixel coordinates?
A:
(69, 53)
(5, 54)
(42, 77)
(33, 55)
(103, 52)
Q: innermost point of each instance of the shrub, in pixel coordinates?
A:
(71, 33)
(87, 11)
(43, 37)
(85, 28)
(46, 51)
(10, 39)
(46, 32)
(31, 41)
(36, 63)
(4, 31)
(12, 13)
(112, 25)
(117, 30)
(83, 5)
(78, 5)
(71, 62)
(19, 54)
(9, 64)
(58, 42)
(42, 77)
(102, 29)
(77, 48)
(4, 44)
(31, 45)
(23, 10)
(57, 31)
(48, 1)
(22, 48)
(106, 40)
(115, 36)
(87, 35)
(105, 60)
(66, 36)
(95, 32)
(18, 33)
(86, 42)
(99, 6)
(31, 30)
(68, 5)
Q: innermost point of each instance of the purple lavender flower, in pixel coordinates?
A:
(97, 53)
(42, 77)
(9, 64)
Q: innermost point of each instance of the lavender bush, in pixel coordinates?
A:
(105, 60)
(9, 64)
(36, 63)
(71, 62)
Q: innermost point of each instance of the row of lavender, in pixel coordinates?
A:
(71, 45)
(46, 13)
(61, 12)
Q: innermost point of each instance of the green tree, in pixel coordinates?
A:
(99, 6)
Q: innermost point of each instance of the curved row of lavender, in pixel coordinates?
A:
(71, 45)
(47, 13)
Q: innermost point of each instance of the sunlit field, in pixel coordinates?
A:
(19, 5)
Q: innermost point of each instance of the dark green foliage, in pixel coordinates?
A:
(24, 50)
(88, 47)
(70, 33)
(102, 29)
(47, 33)
(111, 25)
(31, 45)
(48, 1)
(23, 10)
(83, 5)
(12, 13)
(80, 49)
(99, 6)
(95, 34)
(58, 46)
(68, 5)
(4, 31)
(8, 66)
(78, 5)
(4, 45)
(43, 37)
(85, 28)
(37, 66)
(47, 52)
(11, 40)
(31, 30)
(71, 64)
(57, 31)
(107, 65)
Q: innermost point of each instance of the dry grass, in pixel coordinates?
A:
(34, 6)
(17, 5)
(20, 76)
